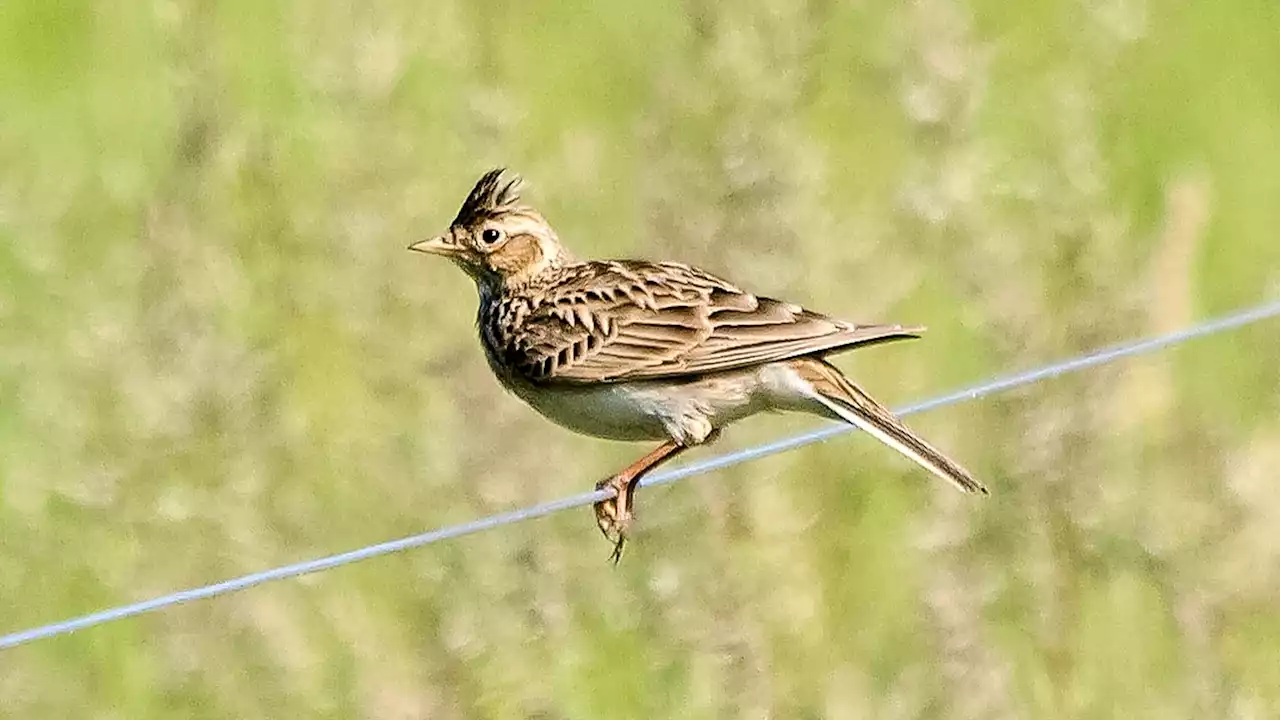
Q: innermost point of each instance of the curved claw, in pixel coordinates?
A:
(616, 555)
(613, 515)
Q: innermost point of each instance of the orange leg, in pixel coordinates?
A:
(613, 514)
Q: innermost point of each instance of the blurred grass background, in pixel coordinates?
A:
(218, 357)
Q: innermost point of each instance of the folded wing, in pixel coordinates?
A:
(616, 321)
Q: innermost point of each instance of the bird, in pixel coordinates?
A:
(664, 352)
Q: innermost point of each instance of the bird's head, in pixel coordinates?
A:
(495, 239)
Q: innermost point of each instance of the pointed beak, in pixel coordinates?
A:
(441, 245)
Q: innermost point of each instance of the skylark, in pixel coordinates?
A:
(634, 350)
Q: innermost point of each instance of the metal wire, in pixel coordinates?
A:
(1099, 357)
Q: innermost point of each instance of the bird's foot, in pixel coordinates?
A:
(613, 515)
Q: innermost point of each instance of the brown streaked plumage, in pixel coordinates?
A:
(634, 350)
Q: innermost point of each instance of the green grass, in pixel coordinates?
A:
(217, 357)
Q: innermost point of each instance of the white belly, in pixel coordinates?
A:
(615, 411)
(659, 409)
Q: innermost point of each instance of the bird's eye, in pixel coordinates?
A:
(490, 236)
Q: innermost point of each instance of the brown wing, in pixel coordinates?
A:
(614, 321)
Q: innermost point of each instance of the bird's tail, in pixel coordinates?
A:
(846, 401)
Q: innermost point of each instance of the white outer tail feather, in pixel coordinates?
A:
(878, 433)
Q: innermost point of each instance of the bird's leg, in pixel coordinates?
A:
(613, 514)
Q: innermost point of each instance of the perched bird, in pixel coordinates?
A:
(660, 351)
